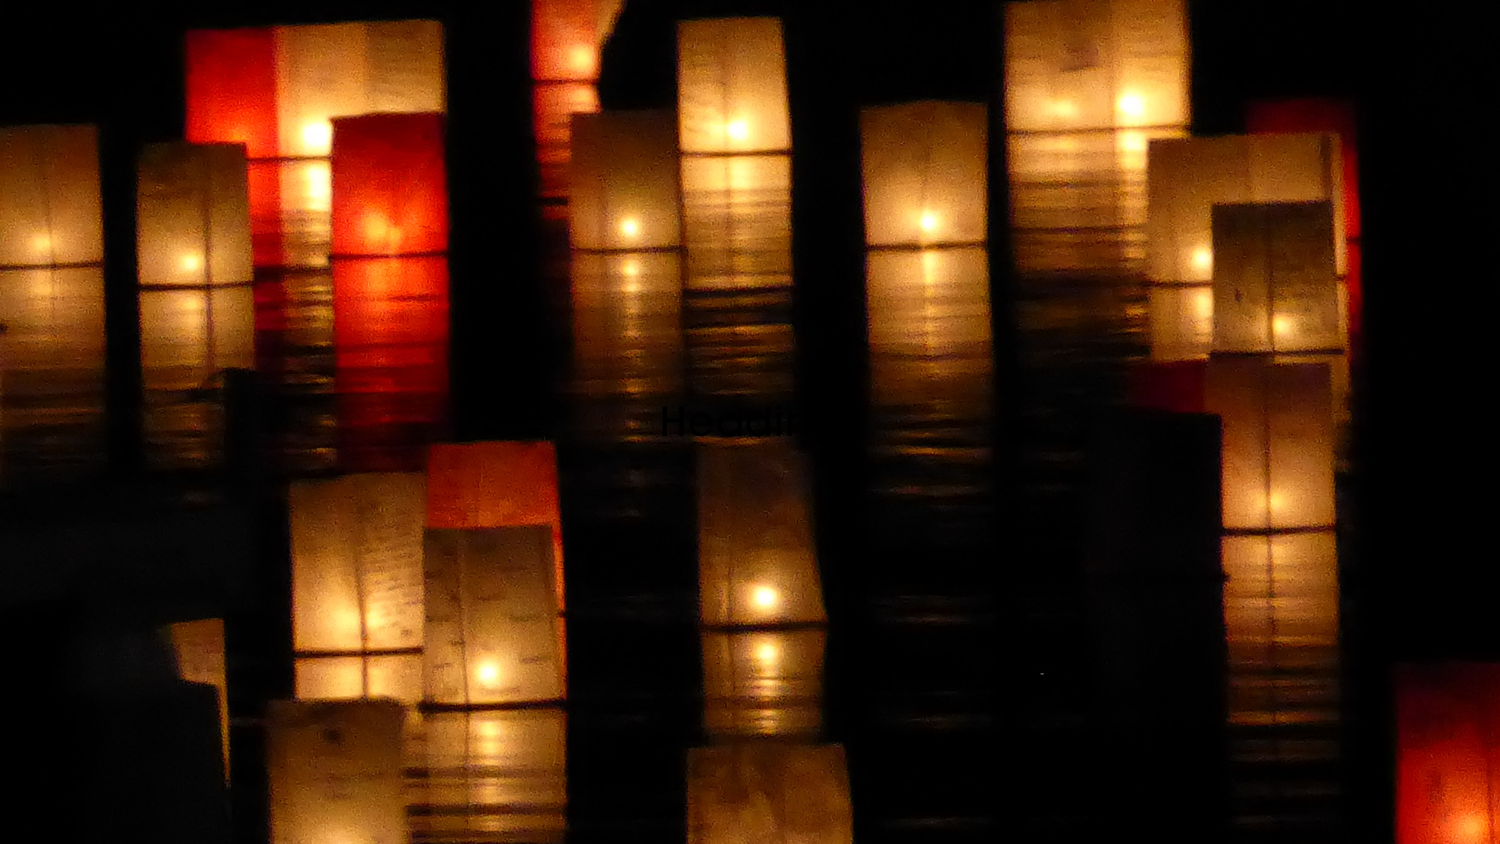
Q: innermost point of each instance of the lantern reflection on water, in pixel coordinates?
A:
(197, 305)
(769, 792)
(51, 301)
(762, 683)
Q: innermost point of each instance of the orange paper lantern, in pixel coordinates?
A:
(1447, 718)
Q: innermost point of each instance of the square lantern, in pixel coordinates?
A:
(1275, 287)
(335, 772)
(492, 633)
(757, 561)
(357, 591)
(567, 37)
(390, 282)
(51, 299)
(199, 647)
(769, 792)
(624, 182)
(763, 683)
(197, 301)
(1088, 85)
(491, 775)
(732, 94)
(1446, 720)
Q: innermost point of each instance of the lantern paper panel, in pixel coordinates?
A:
(357, 563)
(495, 485)
(737, 221)
(335, 772)
(769, 792)
(925, 173)
(492, 634)
(731, 80)
(1281, 614)
(396, 676)
(764, 683)
(1275, 290)
(390, 185)
(199, 646)
(1189, 176)
(1182, 321)
(757, 561)
(490, 776)
(1278, 442)
(624, 190)
(50, 215)
(197, 302)
(1445, 752)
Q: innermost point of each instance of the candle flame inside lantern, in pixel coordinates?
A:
(582, 59)
(1064, 108)
(1281, 326)
(765, 597)
(488, 674)
(1132, 105)
(192, 262)
(42, 243)
(737, 130)
(931, 267)
(1469, 829)
(319, 186)
(630, 227)
(928, 221)
(1203, 259)
(318, 136)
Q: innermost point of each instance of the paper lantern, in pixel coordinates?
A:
(197, 301)
(492, 635)
(335, 772)
(757, 561)
(769, 792)
(1445, 752)
(763, 683)
(390, 280)
(624, 182)
(357, 621)
(51, 300)
(1088, 85)
(731, 77)
(566, 39)
(492, 775)
(926, 224)
(1188, 177)
(199, 646)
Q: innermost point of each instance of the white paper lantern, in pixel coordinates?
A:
(925, 174)
(491, 633)
(197, 300)
(769, 792)
(763, 683)
(624, 190)
(731, 78)
(757, 562)
(1088, 84)
(491, 775)
(200, 659)
(357, 585)
(51, 299)
(335, 771)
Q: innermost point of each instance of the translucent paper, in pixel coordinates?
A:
(763, 683)
(925, 173)
(335, 772)
(624, 191)
(492, 634)
(731, 77)
(199, 646)
(929, 323)
(1445, 756)
(627, 324)
(769, 792)
(1275, 289)
(757, 562)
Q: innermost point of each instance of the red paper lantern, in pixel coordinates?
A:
(390, 282)
(1171, 386)
(1447, 718)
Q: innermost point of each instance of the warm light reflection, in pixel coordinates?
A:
(318, 136)
(631, 268)
(737, 130)
(631, 287)
(768, 654)
(1132, 105)
(1203, 259)
(1133, 141)
(1203, 304)
(765, 597)
(319, 186)
(630, 227)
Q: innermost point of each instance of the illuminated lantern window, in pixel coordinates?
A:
(494, 775)
(492, 635)
(276, 90)
(756, 559)
(926, 221)
(734, 132)
(335, 772)
(1445, 764)
(51, 301)
(1188, 177)
(357, 617)
(199, 646)
(626, 225)
(1318, 115)
(390, 282)
(769, 792)
(1088, 85)
(763, 683)
(197, 301)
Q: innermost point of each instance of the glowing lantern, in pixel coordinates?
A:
(566, 39)
(769, 792)
(926, 221)
(1188, 177)
(492, 633)
(1445, 723)
(390, 282)
(493, 775)
(757, 562)
(624, 182)
(197, 303)
(51, 300)
(763, 683)
(734, 131)
(357, 586)
(335, 771)
(199, 646)
(1088, 84)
